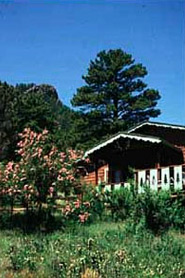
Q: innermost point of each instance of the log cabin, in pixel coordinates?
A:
(151, 153)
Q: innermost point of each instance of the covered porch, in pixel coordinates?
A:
(148, 160)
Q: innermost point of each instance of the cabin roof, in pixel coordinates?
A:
(156, 124)
(130, 134)
(125, 135)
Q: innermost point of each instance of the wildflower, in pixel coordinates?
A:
(63, 170)
(51, 190)
(39, 152)
(60, 178)
(45, 132)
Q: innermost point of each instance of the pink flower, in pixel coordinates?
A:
(20, 144)
(70, 177)
(39, 152)
(39, 136)
(45, 132)
(77, 204)
(10, 166)
(21, 152)
(82, 218)
(51, 189)
(25, 187)
(63, 170)
(62, 155)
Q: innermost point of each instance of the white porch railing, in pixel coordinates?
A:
(162, 178)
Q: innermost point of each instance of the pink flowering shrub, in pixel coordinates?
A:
(41, 172)
(78, 211)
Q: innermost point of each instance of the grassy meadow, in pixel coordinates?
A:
(99, 250)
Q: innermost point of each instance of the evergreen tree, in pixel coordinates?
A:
(7, 120)
(114, 96)
(28, 105)
(37, 107)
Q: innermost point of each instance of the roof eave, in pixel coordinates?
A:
(137, 137)
(158, 124)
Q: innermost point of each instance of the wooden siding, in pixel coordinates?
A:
(91, 178)
(183, 151)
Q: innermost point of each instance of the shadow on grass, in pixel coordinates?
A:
(32, 222)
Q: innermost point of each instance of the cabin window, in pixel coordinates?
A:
(117, 176)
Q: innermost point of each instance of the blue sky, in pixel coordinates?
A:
(53, 41)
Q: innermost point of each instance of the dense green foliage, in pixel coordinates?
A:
(156, 211)
(37, 107)
(100, 250)
(115, 96)
(7, 120)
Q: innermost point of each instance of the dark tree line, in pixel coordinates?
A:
(37, 107)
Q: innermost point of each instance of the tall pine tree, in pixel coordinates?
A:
(115, 96)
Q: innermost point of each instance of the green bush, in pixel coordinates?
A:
(120, 202)
(154, 208)
(156, 211)
(177, 215)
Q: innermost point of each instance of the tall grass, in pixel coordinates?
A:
(135, 241)
(103, 250)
